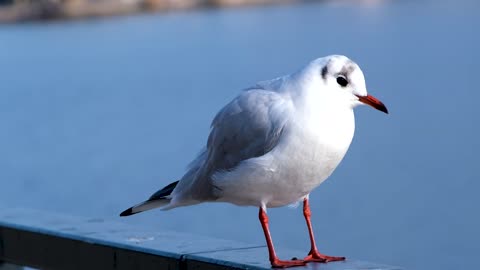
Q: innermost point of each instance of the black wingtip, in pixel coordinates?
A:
(127, 212)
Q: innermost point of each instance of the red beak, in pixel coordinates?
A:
(374, 102)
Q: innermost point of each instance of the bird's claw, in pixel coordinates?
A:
(284, 264)
(315, 256)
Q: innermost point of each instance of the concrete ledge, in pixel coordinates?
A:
(7, 266)
(51, 241)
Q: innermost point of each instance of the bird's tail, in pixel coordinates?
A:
(158, 199)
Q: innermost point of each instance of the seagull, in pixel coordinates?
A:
(273, 144)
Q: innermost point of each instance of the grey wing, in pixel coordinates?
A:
(249, 126)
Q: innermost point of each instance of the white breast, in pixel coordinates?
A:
(309, 151)
(310, 155)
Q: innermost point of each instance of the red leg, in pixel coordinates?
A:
(314, 255)
(276, 263)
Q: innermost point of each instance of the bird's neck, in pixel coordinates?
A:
(319, 118)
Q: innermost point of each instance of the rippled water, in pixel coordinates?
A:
(96, 115)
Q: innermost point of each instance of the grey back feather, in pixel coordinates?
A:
(240, 132)
(249, 126)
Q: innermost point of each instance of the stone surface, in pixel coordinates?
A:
(46, 240)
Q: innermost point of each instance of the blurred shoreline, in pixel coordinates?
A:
(36, 10)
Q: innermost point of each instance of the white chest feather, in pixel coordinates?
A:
(308, 156)
(309, 151)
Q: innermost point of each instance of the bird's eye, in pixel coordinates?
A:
(342, 81)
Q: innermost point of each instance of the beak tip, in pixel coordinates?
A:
(372, 101)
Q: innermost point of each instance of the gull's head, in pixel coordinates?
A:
(339, 78)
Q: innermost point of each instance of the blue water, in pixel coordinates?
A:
(96, 115)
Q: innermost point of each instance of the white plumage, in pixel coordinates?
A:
(275, 142)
